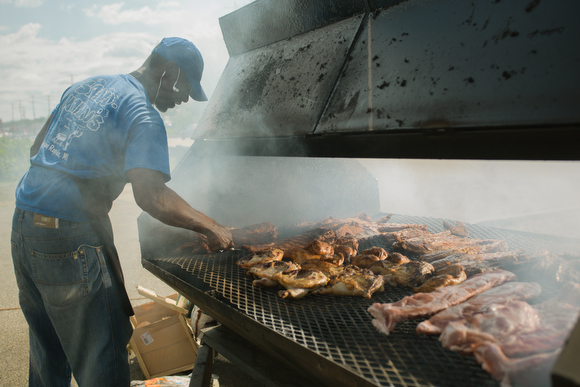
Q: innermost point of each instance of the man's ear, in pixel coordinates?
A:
(171, 70)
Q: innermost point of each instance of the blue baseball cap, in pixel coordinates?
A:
(189, 60)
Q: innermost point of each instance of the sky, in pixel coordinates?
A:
(46, 45)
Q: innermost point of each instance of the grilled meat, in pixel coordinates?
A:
(500, 295)
(393, 227)
(518, 328)
(364, 260)
(329, 268)
(262, 256)
(478, 263)
(409, 274)
(558, 267)
(300, 256)
(255, 234)
(365, 222)
(320, 247)
(347, 247)
(386, 316)
(407, 233)
(264, 272)
(352, 281)
(459, 229)
(369, 256)
(378, 251)
(298, 241)
(299, 282)
(453, 237)
(534, 370)
(494, 323)
(447, 276)
(385, 266)
(485, 246)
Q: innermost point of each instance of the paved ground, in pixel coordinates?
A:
(13, 327)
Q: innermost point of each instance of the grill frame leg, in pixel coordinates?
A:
(202, 370)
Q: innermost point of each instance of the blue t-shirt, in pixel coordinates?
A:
(102, 127)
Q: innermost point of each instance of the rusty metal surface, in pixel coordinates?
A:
(429, 64)
(280, 89)
(303, 73)
(265, 22)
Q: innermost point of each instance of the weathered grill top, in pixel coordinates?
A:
(398, 79)
(337, 331)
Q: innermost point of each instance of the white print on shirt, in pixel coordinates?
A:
(84, 109)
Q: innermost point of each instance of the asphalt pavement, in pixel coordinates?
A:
(13, 327)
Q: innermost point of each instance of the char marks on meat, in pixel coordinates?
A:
(352, 281)
(255, 234)
(409, 274)
(447, 276)
(300, 241)
(386, 316)
(269, 254)
(485, 246)
(264, 272)
(478, 263)
(299, 282)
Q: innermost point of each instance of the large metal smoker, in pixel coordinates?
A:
(312, 86)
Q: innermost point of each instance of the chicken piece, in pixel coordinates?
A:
(397, 258)
(364, 260)
(263, 272)
(353, 282)
(409, 274)
(485, 246)
(255, 234)
(378, 251)
(320, 247)
(300, 256)
(347, 241)
(345, 251)
(299, 282)
(385, 266)
(297, 241)
(450, 275)
(329, 268)
(266, 255)
(347, 247)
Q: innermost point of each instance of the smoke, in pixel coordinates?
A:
(532, 196)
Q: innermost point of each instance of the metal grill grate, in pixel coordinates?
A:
(339, 328)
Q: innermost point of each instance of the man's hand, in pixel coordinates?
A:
(165, 205)
(220, 238)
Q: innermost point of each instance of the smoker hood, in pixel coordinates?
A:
(398, 79)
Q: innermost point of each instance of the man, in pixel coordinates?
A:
(104, 133)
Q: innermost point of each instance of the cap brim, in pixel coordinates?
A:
(197, 93)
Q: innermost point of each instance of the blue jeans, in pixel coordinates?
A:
(76, 321)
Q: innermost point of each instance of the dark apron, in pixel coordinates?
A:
(98, 195)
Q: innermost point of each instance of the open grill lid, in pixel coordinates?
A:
(398, 79)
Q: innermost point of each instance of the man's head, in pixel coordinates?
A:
(188, 59)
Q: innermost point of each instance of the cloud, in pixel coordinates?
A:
(115, 14)
(33, 65)
(28, 3)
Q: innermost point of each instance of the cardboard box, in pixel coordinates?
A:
(162, 339)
